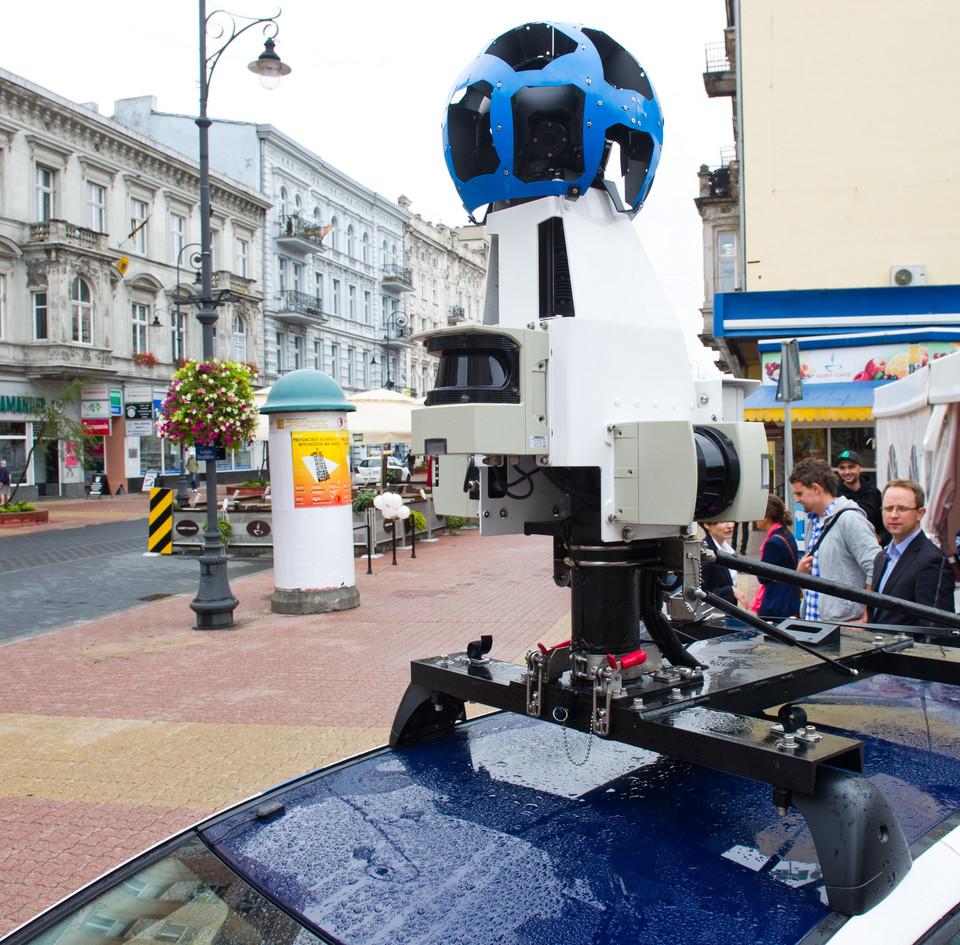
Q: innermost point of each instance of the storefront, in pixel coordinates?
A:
(839, 380)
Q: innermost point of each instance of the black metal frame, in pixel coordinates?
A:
(711, 711)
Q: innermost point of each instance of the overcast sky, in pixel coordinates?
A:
(370, 82)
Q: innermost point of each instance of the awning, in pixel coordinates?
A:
(849, 401)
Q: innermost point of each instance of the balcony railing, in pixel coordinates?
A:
(300, 307)
(297, 229)
(455, 314)
(224, 279)
(717, 60)
(60, 231)
(394, 273)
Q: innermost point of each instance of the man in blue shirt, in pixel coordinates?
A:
(912, 567)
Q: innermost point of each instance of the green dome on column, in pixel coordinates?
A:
(306, 390)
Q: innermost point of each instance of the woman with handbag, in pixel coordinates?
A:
(775, 599)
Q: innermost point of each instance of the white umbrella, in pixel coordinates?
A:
(382, 416)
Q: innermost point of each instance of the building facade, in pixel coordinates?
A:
(448, 268)
(332, 254)
(846, 201)
(98, 227)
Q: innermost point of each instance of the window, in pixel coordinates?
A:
(352, 302)
(96, 207)
(335, 362)
(242, 253)
(178, 235)
(318, 355)
(141, 324)
(40, 316)
(215, 256)
(3, 305)
(178, 337)
(281, 352)
(350, 242)
(336, 296)
(283, 273)
(351, 362)
(138, 225)
(298, 360)
(434, 288)
(239, 339)
(297, 276)
(284, 198)
(318, 284)
(46, 193)
(81, 312)
(367, 307)
(727, 261)
(365, 247)
(423, 286)
(334, 234)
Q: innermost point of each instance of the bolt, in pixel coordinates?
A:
(704, 399)
(675, 694)
(789, 742)
(638, 703)
(486, 513)
(503, 513)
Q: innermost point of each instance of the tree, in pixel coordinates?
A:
(53, 423)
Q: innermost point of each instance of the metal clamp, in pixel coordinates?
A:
(606, 682)
(536, 663)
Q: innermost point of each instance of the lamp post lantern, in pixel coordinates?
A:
(214, 603)
(392, 322)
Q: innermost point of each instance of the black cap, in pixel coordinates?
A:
(849, 456)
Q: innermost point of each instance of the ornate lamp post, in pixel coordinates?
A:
(214, 603)
(182, 496)
(394, 323)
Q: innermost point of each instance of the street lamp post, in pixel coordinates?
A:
(214, 603)
(393, 321)
(183, 496)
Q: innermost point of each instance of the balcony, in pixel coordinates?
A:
(300, 236)
(298, 308)
(719, 78)
(51, 359)
(396, 279)
(230, 281)
(456, 314)
(59, 231)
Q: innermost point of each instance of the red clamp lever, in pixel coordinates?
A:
(545, 651)
(625, 662)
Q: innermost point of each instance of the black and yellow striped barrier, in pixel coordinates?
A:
(160, 531)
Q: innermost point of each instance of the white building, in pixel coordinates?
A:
(333, 254)
(448, 268)
(93, 220)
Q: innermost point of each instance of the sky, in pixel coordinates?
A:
(370, 83)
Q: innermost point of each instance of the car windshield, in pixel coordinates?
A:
(187, 896)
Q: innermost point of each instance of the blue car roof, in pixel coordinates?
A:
(498, 832)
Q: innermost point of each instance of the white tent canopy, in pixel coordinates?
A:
(382, 416)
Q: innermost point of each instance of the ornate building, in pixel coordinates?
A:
(448, 267)
(98, 227)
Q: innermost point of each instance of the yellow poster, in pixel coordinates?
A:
(321, 472)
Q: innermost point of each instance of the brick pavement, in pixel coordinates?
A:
(120, 731)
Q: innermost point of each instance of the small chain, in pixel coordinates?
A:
(566, 747)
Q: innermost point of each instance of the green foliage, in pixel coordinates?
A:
(363, 500)
(55, 421)
(18, 507)
(455, 522)
(393, 476)
(252, 482)
(418, 519)
(226, 529)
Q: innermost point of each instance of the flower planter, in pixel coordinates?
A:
(246, 490)
(14, 519)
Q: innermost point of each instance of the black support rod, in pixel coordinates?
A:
(859, 595)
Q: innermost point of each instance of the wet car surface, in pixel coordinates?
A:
(516, 831)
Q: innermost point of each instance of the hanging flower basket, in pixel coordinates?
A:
(210, 404)
(146, 359)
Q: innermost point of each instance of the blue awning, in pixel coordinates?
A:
(848, 401)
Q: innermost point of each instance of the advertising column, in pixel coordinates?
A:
(310, 487)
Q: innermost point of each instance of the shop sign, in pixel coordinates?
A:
(116, 402)
(21, 403)
(95, 392)
(866, 363)
(96, 427)
(138, 428)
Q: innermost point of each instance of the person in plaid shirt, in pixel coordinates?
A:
(841, 542)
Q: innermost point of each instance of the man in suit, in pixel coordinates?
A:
(912, 567)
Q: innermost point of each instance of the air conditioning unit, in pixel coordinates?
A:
(908, 275)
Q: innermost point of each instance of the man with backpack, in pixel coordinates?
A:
(841, 544)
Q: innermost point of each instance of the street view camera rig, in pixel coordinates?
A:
(571, 412)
